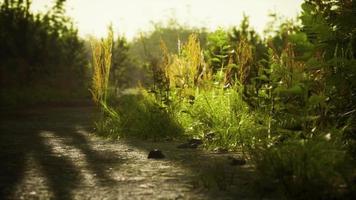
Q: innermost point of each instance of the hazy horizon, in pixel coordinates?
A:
(131, 17)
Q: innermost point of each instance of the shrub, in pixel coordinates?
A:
(305, 169)
(221, 118)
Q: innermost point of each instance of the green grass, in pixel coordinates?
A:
(221, 118)
(305, 169)
(139, 115)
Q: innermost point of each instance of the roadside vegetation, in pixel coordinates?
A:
(287, 101)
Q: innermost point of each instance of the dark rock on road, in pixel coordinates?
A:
(234, 161)
(155, 154)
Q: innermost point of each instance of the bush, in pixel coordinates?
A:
(305, 169)
(221, 118)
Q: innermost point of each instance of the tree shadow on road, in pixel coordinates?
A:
(21, 144)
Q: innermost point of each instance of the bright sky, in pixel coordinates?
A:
(129, 17)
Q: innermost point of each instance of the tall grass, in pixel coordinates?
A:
(146, 118)
(187, 69)
(139, 114)
(101, 64)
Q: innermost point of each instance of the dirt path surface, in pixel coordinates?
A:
(51, 153)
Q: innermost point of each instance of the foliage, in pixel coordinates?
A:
(187, 69)
(125, 70)
(329, 27)
(109, 119)
(139, 115)
(306, 169)
(28, 58)
(145, 47)
(221, 119)
(146, 118)
(101, 53)
(286, 102)
(217, 50)
(147, 54)
(334, 41)
(244, 62)
(245, 31)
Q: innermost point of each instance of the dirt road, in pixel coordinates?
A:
(51, 153)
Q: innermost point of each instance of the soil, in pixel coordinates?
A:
(52, 153)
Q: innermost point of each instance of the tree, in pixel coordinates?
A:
(125, 70)
(331, 28)
(40, 50)
(218, 50)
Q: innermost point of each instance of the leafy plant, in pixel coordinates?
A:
(305, 169)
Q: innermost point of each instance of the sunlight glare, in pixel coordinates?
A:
(131, 17)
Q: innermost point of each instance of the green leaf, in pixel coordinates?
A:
(295, 90)
(316, 99)
(216, 60)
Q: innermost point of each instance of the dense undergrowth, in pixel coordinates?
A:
(288, 105)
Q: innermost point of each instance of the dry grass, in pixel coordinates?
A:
(187, 69)
(101, 55)
(244, 60)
